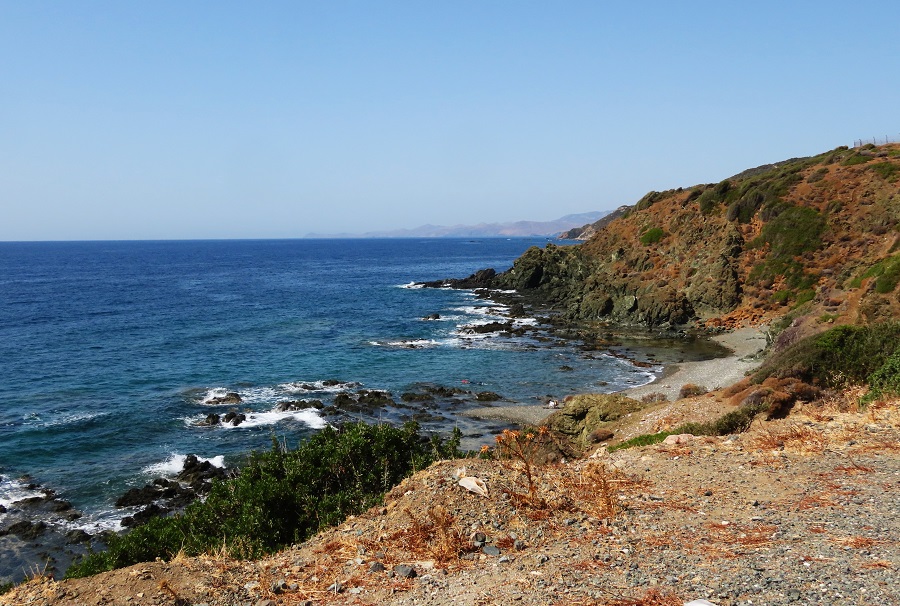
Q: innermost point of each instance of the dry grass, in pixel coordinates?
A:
(436, 535)
(880, 564)
(793, 436)
(651, 597)
(856, 542)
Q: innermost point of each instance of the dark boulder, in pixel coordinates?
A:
(136, 497)
(211, 420)
(488, 396)
(489, 327)
(295, 405)
(78, 536)
(480, 279)
(232, 397)
(26, 530)
(235, 418)
(145, 515)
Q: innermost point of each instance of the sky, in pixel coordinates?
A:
(181, 120)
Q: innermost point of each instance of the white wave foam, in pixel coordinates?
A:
(55, 419)
(213, 394)
(96, 522)
(256, 419)
(492, 311)
(304, 387)
(256, 395)
(411, 285)
(175, 464)
(309, 416)
(16, 490)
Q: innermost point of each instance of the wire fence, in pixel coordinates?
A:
(877, 141)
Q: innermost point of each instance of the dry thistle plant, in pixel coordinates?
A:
(599, 482)
(436, 535)
(518, 450)
(651, 597)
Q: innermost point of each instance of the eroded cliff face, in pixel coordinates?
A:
(811, 231)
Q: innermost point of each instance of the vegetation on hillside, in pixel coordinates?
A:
(282, 497)
(746, 249)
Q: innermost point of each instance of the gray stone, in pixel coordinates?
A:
(376, 567)
(491, 550)
(405, 571)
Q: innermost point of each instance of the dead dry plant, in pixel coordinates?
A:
(517, 451)
(435, 535)
(857, 542)
(793, 436)
(651, 597)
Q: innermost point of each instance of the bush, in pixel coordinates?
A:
(818, 175)
(689, 390)
(794, 231)
(713, 197)
(886, 380)
(840, 356)
(855, 159)
(653, 398)
(282, 496)
(886, 273)
(735, 421)
(885, 170)
(652, 236)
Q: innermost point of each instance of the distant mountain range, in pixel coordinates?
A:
(516, 229)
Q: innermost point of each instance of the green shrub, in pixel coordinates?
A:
(282, 496)
(710, 199)
(652, 236)
(839, 356)
(764, 190)
(886, 170)
(6, 587)
(886, 380)
(794, 231)
(736, 421)
(886, 273)
(642, 440)
(855, 159)
(818, 175)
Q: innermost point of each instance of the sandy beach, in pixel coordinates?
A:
(746, 344)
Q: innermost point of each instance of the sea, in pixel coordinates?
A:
(113, 353)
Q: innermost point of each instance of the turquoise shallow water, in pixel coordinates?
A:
(111, 351)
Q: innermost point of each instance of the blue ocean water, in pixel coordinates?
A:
(110, 352)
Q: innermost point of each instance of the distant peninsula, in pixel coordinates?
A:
(515, 229)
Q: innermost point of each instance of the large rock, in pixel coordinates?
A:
(583, 415)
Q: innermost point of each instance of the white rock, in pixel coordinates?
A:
(683, 438)
(473, 484)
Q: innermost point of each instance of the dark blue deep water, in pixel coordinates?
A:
(111, 351)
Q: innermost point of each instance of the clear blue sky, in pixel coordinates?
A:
(134, 120)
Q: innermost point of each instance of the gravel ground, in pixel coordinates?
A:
(798, 511)
(746, 344)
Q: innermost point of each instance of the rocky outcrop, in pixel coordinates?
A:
(162, 496)
(480, 279)
(582, 420)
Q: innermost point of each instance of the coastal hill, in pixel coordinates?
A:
(514, 229)
(779, 488)
(819, 232)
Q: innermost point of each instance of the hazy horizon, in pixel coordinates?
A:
(125, 121)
